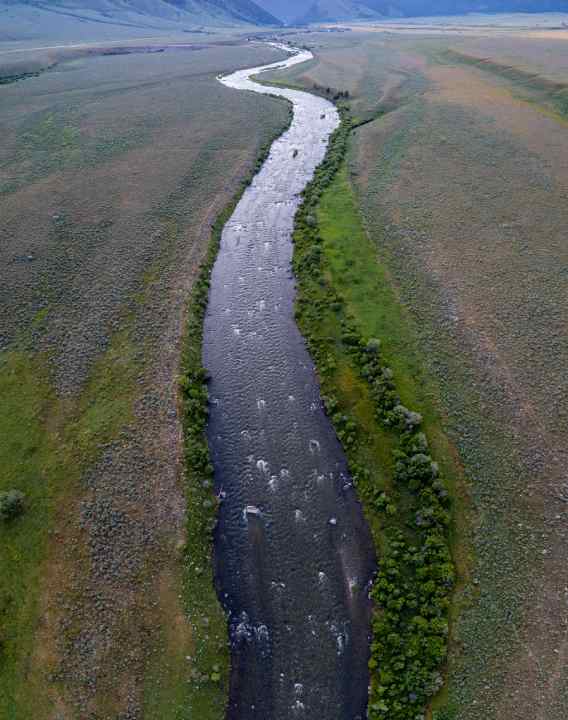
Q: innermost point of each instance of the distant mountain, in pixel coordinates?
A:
(319, 11)
(332, 10)
(139, 13)
(286, 10)
(417, 8)
(245, 11)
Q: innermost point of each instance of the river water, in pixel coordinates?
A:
(294, 557)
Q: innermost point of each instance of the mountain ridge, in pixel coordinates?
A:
(337, 10)
(151, 14)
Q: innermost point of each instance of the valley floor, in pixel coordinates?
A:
(444, 233)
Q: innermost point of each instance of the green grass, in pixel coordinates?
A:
(363, 280)
(26, 458)
(45, 444)
(360, 274)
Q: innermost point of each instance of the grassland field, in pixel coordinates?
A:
(460, 183)
(112, 171)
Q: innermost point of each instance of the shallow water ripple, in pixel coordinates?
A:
(293, 553)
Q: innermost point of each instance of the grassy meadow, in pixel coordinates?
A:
(112, 172)
(459, 184)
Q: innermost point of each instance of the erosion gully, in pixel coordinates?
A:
(294, 556)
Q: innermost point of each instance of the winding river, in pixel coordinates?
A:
(294, 556)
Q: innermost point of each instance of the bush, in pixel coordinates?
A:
(446, 714)
(373, 346)
(11, 505)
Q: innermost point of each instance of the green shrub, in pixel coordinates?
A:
(373, 346)
(446, 714)
(11, 505)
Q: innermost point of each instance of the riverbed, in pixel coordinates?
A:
(294, 557)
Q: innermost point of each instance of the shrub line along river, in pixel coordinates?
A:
(294, 556)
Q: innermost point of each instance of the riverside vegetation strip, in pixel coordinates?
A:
(211, 661)
(404, 493)
(405, 497)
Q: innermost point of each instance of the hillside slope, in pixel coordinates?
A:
(22, 19)
(457, 7)
(286, 10)
(331, 10)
